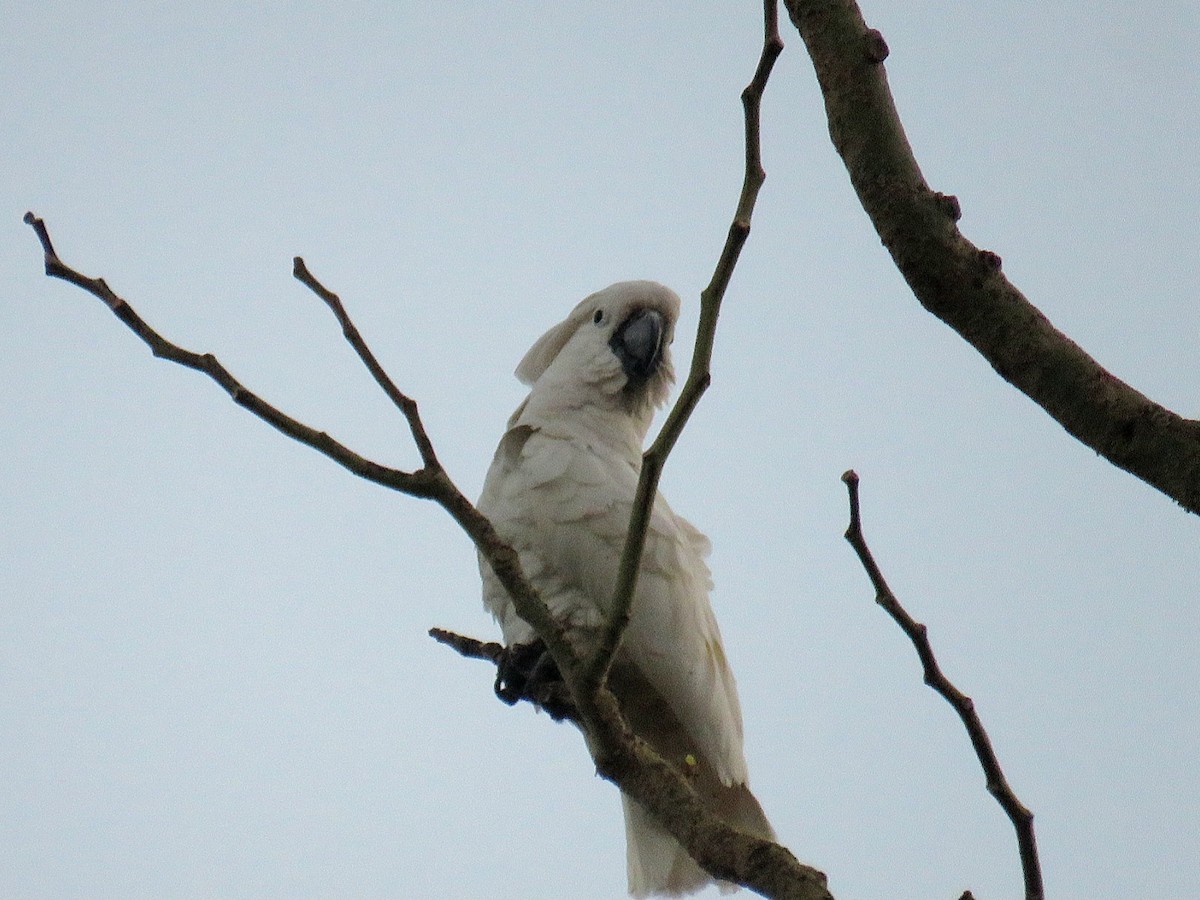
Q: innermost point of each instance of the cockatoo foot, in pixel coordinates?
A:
(528, 672)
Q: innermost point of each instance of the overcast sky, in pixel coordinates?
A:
(214, 674)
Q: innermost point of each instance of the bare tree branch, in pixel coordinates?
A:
(699, 376)
(489, 651)
(406, 405)
(961, 284)
(997, 784)
(423, 483)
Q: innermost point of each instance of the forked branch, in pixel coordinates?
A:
(423, 483)
(997, 784)
(726, 852)
(620, 756)
(429, 482)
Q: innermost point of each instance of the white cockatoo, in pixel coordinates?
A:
(560, 490)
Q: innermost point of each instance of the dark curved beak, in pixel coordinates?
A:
(638, 343)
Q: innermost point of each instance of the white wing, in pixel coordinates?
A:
(565, 506)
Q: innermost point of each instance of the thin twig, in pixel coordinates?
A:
(469, 647)
(403, 402)
(699, 375)
(997, 784)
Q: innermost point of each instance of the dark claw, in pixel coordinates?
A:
(516, 666)
(527, 672)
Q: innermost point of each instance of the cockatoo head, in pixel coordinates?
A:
(612, 353)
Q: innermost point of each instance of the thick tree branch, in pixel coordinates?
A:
(724, 851)
(997, 784)
(961, 284)
(699, 375)
(626, 760)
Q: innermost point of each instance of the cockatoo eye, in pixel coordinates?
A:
(598, 317)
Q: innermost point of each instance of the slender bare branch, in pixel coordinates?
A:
(620, 756)
(403, 402)
(963, 285)
(469, 647)
(997, 784)
(699, 375)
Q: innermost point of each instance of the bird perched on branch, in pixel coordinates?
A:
(560, 490)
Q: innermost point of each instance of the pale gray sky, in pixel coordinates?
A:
(214, 674)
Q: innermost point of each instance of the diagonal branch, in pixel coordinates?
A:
(962, 285)
(406, 405)
(620, 756)
(699, 376)
(997, 784)
(629, 762)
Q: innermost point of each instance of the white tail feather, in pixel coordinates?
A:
(657, 863)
